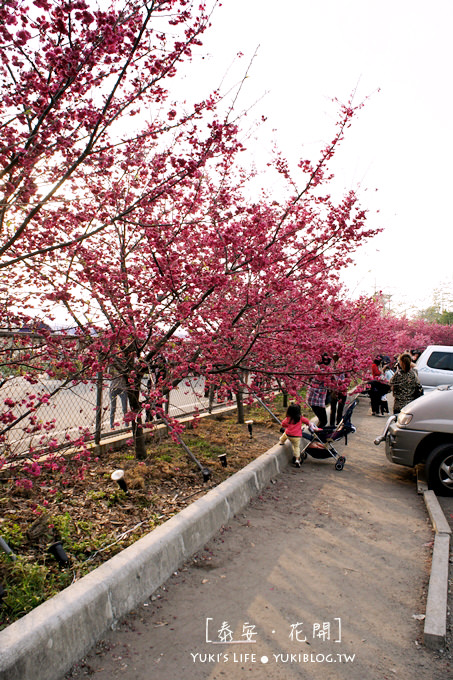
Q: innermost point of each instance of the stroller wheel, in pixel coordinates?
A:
(339, 465)
(303, 456)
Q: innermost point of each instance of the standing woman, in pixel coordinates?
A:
(376, 386)
(403, 383)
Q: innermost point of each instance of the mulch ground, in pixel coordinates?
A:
(94, 518)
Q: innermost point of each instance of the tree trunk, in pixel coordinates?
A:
(137, 427)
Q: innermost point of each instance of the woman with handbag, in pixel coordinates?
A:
(405, 383)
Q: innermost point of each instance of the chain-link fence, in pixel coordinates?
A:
(36, 410)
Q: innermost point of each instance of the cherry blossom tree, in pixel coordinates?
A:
(85, 100)
(143, 235)
(74, 80)
(205, 260)
(133, 213)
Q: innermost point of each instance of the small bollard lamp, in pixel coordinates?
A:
(249, 424)
(223, 459)
(206, 474)
(57, 550)
(118, 476)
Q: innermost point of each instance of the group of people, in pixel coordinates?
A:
(328, 388)
(379, 386)
(401, 379)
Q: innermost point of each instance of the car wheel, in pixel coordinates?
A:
(439, 470)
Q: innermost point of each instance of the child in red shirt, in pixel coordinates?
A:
(292, 425)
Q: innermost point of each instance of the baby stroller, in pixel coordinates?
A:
(319, 444)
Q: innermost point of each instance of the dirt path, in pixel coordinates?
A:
(340, 554)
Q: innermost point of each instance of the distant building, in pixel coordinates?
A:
(443, 296)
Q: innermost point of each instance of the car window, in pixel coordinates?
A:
(441, 360)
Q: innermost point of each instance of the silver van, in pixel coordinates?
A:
(435, 367)
(423, 433)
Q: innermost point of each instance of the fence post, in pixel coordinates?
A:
(99, 384)
(167, 403)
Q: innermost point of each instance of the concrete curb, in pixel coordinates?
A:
(435, 629)
(45, 643)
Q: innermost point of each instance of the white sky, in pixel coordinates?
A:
(401, 144)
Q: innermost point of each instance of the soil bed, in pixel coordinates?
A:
(95, 519)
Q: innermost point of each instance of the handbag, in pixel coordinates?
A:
(418, 391)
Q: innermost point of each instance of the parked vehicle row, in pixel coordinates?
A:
(423, 433)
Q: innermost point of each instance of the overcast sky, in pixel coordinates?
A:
(398, 153)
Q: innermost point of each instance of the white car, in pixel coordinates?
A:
(423, 433)
(435, 367)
